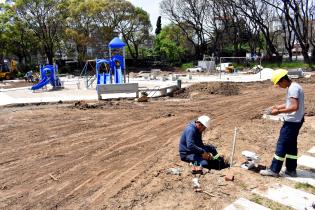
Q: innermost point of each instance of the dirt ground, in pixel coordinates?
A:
(10, 84)
(115, 155)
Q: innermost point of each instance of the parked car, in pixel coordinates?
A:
(144, 74)
(195, 69)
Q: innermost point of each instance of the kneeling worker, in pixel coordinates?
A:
(193, 150)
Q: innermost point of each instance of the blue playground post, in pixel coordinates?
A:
(120, 73)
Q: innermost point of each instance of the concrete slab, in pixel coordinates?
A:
(312, 150)
(5, 99)
(244, 204)
(307, 161)
(303, 176)
(75, 88)
(288, 196)
(27, 96)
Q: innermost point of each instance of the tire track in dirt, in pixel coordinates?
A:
(114, 146)
(31, 164)
(116, 178)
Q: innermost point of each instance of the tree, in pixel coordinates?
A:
(288, 35)
(191, 15)
(79, 25)
(312, 31)
(16, 39)
(121, 17)
(171, 43)
(158, 26)
(230, 29)
(44, 18)
(261, 14)
(134, 25)
(298, 15)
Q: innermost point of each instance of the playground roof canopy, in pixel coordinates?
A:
(116, 43)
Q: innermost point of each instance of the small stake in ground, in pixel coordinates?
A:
(233, 148)
(230, 175)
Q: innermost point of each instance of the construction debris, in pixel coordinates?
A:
(142, 98)
(229, 176)
(203, 191)
(196, 183)
(252, 160)
(174, 171)
(54, 178)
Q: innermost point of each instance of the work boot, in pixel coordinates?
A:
(291, 173)
(268, 172)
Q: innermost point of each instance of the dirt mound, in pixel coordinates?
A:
(305, 80)
(216, 88)
(119, 104)
(84, 105)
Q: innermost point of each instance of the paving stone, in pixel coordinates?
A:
(244, 204)
(304, 176)
(288, 196)
(307, 161)
(312, 150)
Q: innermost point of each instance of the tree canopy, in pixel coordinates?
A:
(83, 28)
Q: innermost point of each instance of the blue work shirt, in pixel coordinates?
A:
(191, 141)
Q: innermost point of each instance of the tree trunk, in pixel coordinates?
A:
(290, 55)
(49, 55)
(306, 57)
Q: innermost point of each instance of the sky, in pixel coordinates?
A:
(153, 8)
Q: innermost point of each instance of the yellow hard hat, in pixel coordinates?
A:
(277, 75)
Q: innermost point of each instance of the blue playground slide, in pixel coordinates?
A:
(41, 83)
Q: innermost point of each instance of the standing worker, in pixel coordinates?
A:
(293, 108)
(193, 150)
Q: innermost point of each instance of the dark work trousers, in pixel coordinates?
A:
(197, 159)
(287, 147)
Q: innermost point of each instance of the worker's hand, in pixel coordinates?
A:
(207, 156)
(274, 111)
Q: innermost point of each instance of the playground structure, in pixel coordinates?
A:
(108, 70)
(48, 74)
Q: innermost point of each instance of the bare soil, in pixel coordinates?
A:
(16, 84)
(116, 154)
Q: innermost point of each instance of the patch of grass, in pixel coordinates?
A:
(286, 64)
(243, 186)
(187, 65)
(305, 186)
(268, 203)
(257, 199)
